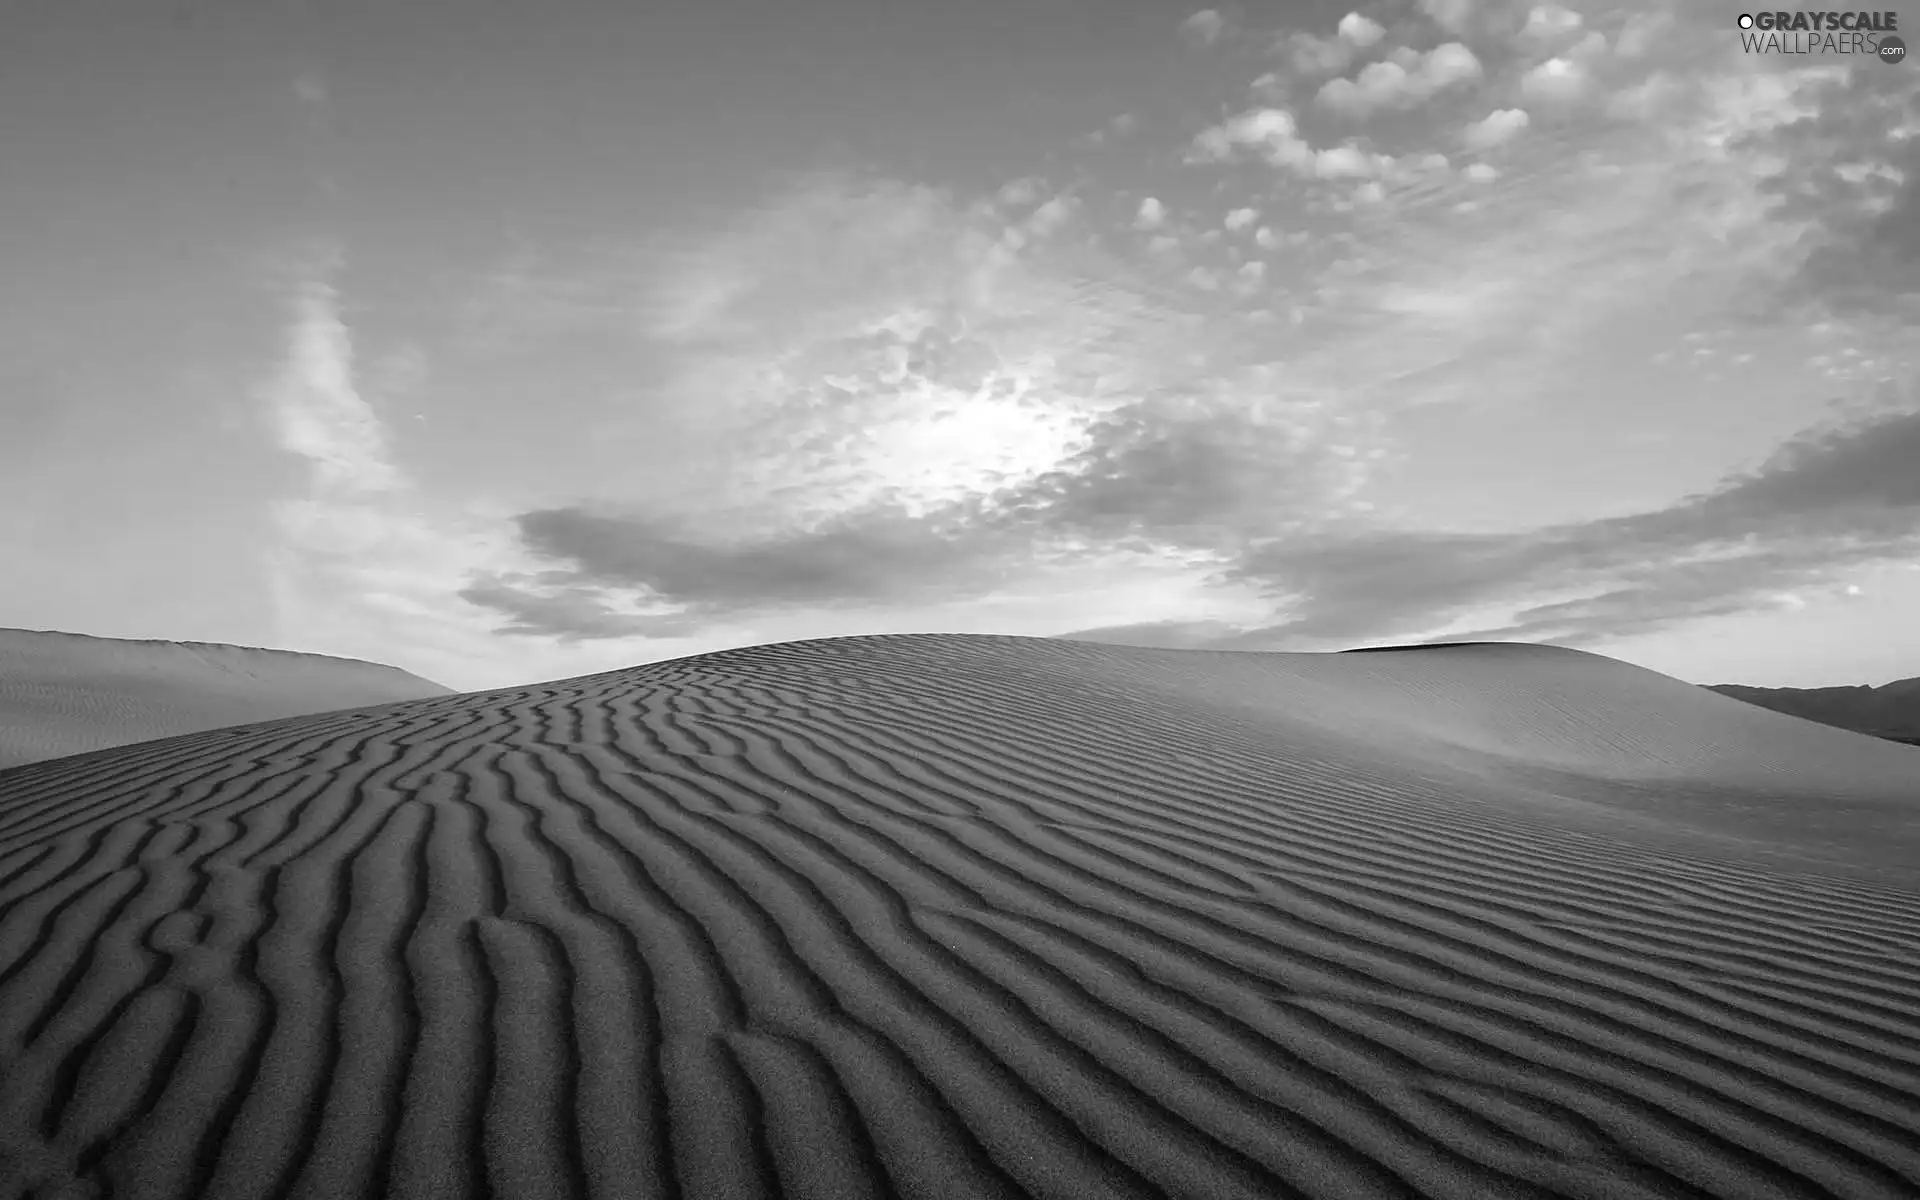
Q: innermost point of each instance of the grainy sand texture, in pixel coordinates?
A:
(975, 916)
(66, 693)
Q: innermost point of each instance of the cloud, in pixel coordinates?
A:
(1392, 84)
(576, 614)
(1309, 56)
(317, 412)
(1343, 162)
(1454, 16)
(1495, 128)
(1204, 27)
(1834, 498)
(1052, 216)
(1019, 193)
(1151, 215)
(1359, 31)
(1641, 33)
(897, 409)
(1557, 80)
(874, 556)
(1240, 218)
(1271, 132)
(1840, 163)
(1550, 23)
(363, 564)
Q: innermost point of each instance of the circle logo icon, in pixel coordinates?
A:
(1892, 49)
(1746, 21)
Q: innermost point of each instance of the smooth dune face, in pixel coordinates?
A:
(976, 917)
(66, 693)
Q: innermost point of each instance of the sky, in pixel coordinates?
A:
(505, 343)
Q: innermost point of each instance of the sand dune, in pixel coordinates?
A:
(1891, 710)
(66, 693)
(976, 917)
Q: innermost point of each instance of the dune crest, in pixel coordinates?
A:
(969, 916)
(68, 693)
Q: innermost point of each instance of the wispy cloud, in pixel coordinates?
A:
(1841, 496)
(364, 564)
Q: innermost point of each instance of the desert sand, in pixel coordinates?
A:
(67, 693)
(970, 916)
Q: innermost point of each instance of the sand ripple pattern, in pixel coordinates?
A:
(919, 917)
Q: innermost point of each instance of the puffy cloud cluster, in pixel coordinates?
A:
(1494, 129)
(1407, 78)
(1204, 27)
(1273, 135)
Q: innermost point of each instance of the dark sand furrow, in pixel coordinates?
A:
(1666, 1121)
(1490, 881)
(217, 1169)
(1349, 1133)
(529, 1131)
(31, 927)
(541, 898)
(922, 1020)
(24, 869)
(1799, 992)
(1794, 1002)
(1754, 1075)
(1181, 947)
(982, 774)
(622, 1144)
(1061, 753)
(809, 755)
(1891, 1030)
(1030, 845)
(476, 1117)
(1156, 1065)
(817, 1141)
(61, 1067)
(161, 1023)
(110, 941)
(436, 1120)
(1223, 951)
(364, 943)
(1581, 920)
(698, 1129)
(400, 958)
(1891, 975)
(1158, 1143)
(317, 913)
(828, 848)
(1566, 1156)
(1617, 989)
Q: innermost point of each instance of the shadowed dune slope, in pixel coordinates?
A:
(67, 693)
(1890, 711)
(971, 916)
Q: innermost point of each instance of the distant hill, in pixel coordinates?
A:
(67, 693)
(1890, 711)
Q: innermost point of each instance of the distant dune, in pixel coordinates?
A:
(1890, 711)
(967, 916)
(66, 693)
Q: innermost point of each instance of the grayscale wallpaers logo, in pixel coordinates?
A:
(1870, 33)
